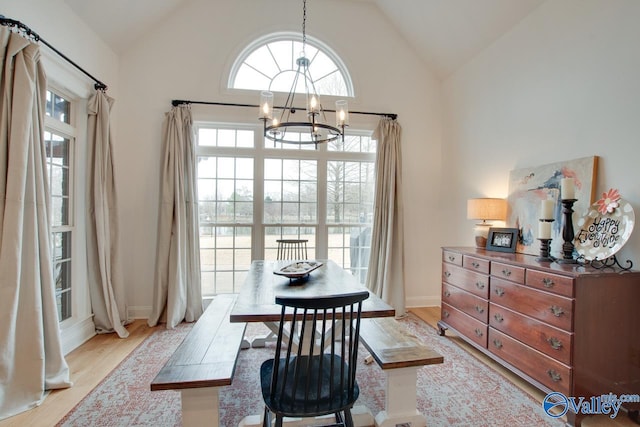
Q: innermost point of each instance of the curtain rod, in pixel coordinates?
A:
(30, 33)
(177, 102)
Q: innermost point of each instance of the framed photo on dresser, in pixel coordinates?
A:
(502, 239)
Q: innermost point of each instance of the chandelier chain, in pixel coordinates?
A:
(304, 25)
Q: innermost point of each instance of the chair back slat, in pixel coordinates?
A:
(292, 249)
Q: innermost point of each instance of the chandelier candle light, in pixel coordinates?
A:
(314, 130)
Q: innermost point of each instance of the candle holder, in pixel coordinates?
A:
(567, 232)
(544, 250)
(545, 245)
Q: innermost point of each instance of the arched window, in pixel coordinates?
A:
(270, 64)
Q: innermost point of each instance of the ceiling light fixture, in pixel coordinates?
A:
(315, 130)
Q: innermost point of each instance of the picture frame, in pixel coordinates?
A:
(502, 239)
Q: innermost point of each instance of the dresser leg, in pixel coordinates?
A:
(441, 328)
(574, 420)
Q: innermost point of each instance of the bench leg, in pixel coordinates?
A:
(401, 399)
(200, 407)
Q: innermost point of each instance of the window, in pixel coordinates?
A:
(59, 144)
(251, 193)
(270, 64)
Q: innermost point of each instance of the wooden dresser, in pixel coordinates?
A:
(562, 327)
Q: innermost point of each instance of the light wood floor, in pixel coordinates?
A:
(92, 361)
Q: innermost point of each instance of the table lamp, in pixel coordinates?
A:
(486, 209)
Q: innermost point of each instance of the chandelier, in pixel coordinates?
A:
(315, 129)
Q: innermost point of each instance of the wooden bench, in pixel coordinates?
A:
(204, 361)
(399, 354)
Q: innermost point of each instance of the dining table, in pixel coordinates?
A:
(265, 280)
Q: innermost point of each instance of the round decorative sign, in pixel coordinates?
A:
(604, 229)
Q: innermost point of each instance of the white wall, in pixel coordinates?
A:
(561, 85)
(188, 57)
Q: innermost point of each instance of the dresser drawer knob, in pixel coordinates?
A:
(452, 258)
(479, 309)
(555, 343)
(475, 264)
(506, 272)
(447, 294)
(447, 274)
(479, 285)
(499, 292)
(548, 283)
(498, 317)
(556, 311)
(555, 377)
(497, 343)
(445, 314)
(479, 332)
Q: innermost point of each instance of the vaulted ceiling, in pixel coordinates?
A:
(445, 33)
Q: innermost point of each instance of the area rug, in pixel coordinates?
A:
(460, 392)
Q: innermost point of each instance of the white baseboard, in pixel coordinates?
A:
(423, 302)
(77, 334)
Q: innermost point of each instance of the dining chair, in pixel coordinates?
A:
(292, 249)
(317, 375)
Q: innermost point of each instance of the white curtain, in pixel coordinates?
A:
(31, 358)
(177, 295)
(105, 277)
(385, 276)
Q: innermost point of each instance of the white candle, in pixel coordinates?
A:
(544, 230)
(567, 188)
(546, 209)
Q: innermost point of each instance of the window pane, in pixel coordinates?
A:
(272, 66)
(245, 138)
(207, 137)
(290, 191)
(350, 247)
(225, 255)
(58, 108)
(350, 187)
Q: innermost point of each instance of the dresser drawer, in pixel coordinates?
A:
(551, 341)
(550, 282)
(475, 264)
(476, 283)
(452, 257)
(552, 309)
(466, 302)
(506, 271)
(465, 324)
(538, 366)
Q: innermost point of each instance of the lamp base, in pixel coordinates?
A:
(481, 233)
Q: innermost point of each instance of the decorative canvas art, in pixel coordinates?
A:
(529, 186)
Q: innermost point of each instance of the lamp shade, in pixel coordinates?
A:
(487, 209)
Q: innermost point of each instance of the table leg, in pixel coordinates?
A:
(272, 336)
